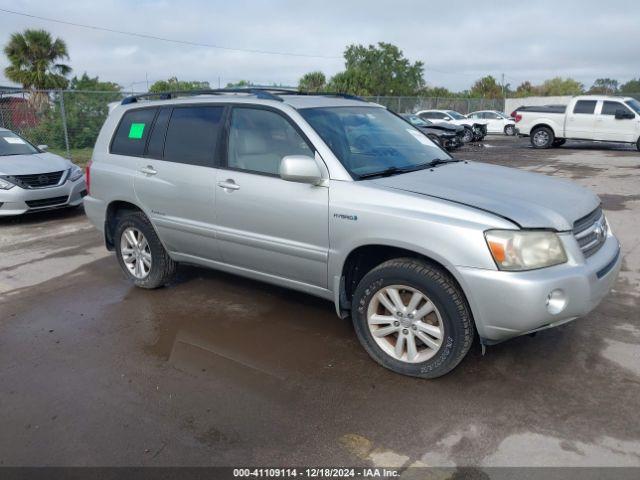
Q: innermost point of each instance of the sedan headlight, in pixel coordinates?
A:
(5, 184)
(75, 173)
(518, 250)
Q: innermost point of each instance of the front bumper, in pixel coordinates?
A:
(508, 304)
(17, 200)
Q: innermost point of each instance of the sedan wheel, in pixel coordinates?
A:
(136, 253)
(510, 130)
(405, 324)
(468, 135)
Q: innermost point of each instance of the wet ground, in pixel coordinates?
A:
(219, 370)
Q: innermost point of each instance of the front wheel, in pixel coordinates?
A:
(638, 144)
(542, 137)
(412, 318)
(140, 253)
(510, 130)
(468, 135)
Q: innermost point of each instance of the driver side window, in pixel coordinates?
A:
(259, 139)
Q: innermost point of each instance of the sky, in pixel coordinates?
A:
(458, 42)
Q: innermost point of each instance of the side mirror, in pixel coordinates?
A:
(301, 169)
(623, 114)
(44, 148)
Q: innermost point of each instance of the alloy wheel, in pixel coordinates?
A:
(136, 252)
(405, 323)
(541, 138)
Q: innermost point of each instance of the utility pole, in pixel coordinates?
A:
(503, 86)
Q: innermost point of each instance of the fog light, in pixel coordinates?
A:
(556, 301)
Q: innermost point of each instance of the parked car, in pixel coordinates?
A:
(475, 130)
(342, 199)
(586, 117)
(497, 122)
(32, 179)
(447, 136)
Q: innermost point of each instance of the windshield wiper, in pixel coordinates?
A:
(393, 170)
(441, 161)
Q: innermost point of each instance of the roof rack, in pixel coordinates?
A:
(265, 93)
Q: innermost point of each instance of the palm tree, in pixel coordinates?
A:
(34, 57)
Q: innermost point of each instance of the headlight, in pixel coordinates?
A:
(75, 173)
(518, 250)
(5, 185)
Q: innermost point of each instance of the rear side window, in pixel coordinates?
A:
(585, 106)
(192, 135)
(609, 108)
(132, 133)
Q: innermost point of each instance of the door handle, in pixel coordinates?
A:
(229, 185)
(148, 170)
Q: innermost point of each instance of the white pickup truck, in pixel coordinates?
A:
(587, 117)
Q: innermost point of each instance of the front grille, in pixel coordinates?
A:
(590, 232)
(47, 202)
(38, 180)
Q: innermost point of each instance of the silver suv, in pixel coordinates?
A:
(343, 199)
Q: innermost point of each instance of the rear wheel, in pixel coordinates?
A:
(412, 318)
(638, 144)
(510, 130)
(542, 137)
(140, 253)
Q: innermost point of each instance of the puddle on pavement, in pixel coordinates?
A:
(214, 322)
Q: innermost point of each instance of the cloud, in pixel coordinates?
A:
(458, 42)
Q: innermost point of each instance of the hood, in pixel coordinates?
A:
(32, 164)
(441, 132)
(446, 127)
(530, 200)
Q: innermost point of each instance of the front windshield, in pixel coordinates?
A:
(456, 115)
(368, 140)
(634, 104)
(12, 144)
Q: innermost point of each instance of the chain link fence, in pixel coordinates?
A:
(414, 104)
(68, 121)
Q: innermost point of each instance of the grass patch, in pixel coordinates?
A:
(79, 156)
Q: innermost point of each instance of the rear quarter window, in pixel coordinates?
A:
(132, 132)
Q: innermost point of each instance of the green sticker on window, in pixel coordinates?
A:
(136, 130)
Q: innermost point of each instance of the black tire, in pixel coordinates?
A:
(638, 144)
(162, 266)
(468, 135)
(558, 142)
(442, 290)
(542, 137)
(510, 130)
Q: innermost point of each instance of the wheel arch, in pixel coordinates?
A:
(362, 258)
(115, 209)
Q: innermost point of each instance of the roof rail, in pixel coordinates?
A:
(265, 93)
(262, 92)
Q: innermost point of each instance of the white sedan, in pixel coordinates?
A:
(497, 122)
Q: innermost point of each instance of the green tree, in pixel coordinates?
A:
(241, 84)
(175, 85)
(604, 86)
(632, 86)
(437, 92)
(313, 82)
(86, 108)
(561, 86)
(526, 89)
(34, 60)
(486, 87)
(378, 70)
